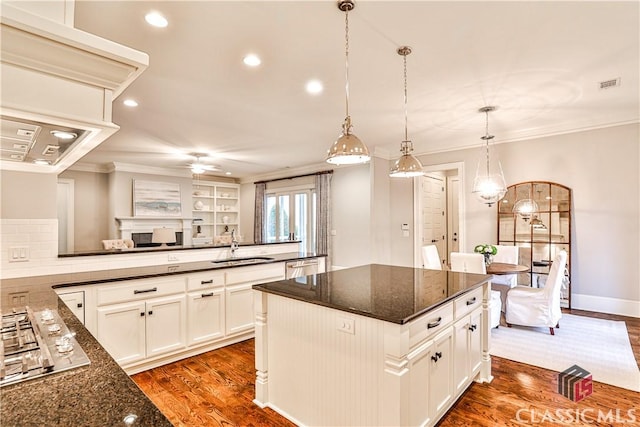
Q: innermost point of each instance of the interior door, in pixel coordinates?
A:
(453, 209)
(433, 213)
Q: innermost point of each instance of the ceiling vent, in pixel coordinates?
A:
(608, 84)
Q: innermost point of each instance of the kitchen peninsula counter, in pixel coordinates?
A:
(371, 345)
(100, 394)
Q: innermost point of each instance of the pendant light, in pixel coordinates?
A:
(407, 165)
(525, 208)
(347, 149)
(489, 186)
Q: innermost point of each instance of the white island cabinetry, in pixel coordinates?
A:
(369, 369)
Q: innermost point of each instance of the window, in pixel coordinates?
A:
(291, 215)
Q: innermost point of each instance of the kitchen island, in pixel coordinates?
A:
(371, 345)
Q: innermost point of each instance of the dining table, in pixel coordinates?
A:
(505, 268)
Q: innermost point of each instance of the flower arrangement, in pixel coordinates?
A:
(488, 251)
(485, 249)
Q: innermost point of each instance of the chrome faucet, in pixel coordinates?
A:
(234, 243)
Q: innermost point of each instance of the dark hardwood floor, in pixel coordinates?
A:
(217, 389)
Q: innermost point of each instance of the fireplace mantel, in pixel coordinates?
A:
(146, 224)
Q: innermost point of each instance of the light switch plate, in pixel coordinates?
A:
(18, 253)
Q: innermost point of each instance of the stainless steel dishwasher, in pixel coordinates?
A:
(302, 270)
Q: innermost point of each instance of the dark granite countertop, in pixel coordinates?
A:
(162, 249)
(100, 394)
(97, 277)
(384, 292)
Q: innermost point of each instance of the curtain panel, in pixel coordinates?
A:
(259, 213)
(323, 215)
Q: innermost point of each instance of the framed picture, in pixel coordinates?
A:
(156, 198)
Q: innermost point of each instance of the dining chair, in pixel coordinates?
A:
(529, 306)
(431, 257)
(468, 263)
(474, 263)
(507, 255)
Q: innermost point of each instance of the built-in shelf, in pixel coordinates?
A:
(217, 206)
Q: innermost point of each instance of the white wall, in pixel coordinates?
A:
(380, 212)
(121, 195)
(91, 210)
(351, 216)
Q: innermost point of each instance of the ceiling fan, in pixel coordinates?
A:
(199, 167)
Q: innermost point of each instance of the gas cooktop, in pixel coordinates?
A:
(34, 344)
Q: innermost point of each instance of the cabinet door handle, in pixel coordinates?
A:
(473, 327)
(434, 324)
(150, 312)
(471, 301)
(79, 305)
(206, 282)
(142, 314)
(210, 294)
(436, 356)
(144, 291)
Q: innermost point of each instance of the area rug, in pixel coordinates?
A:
(599, 346)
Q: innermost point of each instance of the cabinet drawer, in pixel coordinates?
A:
(255, 273)
(133, 290)
(468, 302)
(430, 323)
(205, 280)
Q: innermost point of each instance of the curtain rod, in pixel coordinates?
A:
(294, 177)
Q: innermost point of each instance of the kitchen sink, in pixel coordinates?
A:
(243, 261)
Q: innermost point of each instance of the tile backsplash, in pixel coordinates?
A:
(28, 244)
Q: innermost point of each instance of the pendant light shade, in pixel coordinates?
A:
(348, 149)
(489, 185)
(407, 165)
(526, 208)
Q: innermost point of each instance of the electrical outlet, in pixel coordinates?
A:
(18, 254)
(347, 325)
(173, 257)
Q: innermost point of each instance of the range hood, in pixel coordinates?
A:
(56, 78)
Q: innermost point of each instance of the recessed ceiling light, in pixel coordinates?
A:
(63, 134)
(41, 162)
(252, 60)
(130, 103)
(227, 173)
(314, 87)
(156, 19)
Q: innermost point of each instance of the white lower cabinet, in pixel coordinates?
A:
(468, 349)
(137, 330)
(205, 314)
(419, 365)
(441, 360)
(75, 302)
(239, 309)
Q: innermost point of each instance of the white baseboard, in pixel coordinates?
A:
(623, 307)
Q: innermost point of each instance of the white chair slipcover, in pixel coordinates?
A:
(431, 258)
(474, 263)
(507, 255)
(529, 306)
(468, 263)
(496, 309)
